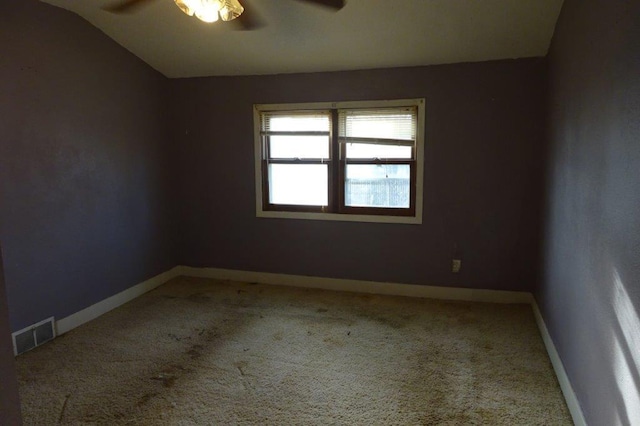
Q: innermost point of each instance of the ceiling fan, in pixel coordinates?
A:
(209, 10)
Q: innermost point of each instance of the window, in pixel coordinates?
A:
(358, 161)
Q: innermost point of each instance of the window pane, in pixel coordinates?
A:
(299, 184)
(296, 122)
(299, 146)
(364, 150)
(373, 185)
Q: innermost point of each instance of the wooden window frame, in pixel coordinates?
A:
(336, 163)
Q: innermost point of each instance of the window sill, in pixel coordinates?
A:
(417, 220)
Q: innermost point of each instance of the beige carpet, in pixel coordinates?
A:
(198, 351)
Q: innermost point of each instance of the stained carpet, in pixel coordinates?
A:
(206, 352)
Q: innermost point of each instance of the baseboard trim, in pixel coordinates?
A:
(361, 286)
(565, 384)
(358, 286)
(94, 311)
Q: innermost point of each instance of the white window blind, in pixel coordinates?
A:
(388, 126)
(291, 123)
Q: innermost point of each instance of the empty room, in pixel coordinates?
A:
(349, 212)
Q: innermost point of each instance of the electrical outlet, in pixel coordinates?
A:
(455, 265)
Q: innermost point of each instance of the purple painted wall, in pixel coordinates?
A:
(9, 399)
(482, 183)
(590, 294)
(98, 153)
(83, 166)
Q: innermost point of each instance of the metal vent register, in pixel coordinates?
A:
(34, 335)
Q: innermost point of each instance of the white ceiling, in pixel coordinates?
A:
(299, 37)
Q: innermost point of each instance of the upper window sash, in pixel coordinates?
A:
(285, 133)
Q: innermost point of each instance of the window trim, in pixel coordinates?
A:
(352, 215)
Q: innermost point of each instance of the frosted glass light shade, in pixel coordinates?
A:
(188, 6)
(230, 9)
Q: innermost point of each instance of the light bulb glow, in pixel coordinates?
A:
(210, 10)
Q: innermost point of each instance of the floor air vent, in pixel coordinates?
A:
(34, 335)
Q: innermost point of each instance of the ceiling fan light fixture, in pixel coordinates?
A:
(208, 10)
(187, 6)
(211, 10)
(230, 9)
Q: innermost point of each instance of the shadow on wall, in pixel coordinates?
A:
(625, 347)
(9, 398)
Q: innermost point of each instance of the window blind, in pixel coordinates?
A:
(295, 123)
(388, 126)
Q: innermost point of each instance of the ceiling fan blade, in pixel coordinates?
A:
(249, 20)
(126, 6)
(333, 4)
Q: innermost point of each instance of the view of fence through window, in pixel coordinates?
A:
(380, 185)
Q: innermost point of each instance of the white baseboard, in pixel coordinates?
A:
(358, 286)
(567, 390)
(94, 311)
(361, 286)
